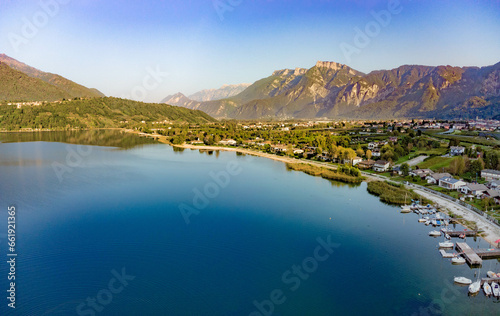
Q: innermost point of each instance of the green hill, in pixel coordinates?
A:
(94, 113)
(70, 88)
(17, 86)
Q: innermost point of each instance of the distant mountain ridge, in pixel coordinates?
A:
(64, 88)
(226, 91)
(333, 90)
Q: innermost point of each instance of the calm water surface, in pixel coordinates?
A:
(86, 210)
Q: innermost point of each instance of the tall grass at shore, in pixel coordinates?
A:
(324, 173)
(393, 193)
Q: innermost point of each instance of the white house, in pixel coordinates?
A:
(381, 166)
(434, 177)
(489, 174)
(451, 183)
(228, 142)
(457, 150)
(278, 148)
(473, 189)
(376, 152)
(356, 160)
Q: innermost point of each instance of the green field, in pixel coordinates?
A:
(465, 139)
(436, 163)
(433, 151)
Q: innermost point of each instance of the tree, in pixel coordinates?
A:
(333, 152)
(457, 166)
(405, 169)
(349, 154)
(476, 166)
(368, 154)
(360, 152)
(454, 142)
(388, 155)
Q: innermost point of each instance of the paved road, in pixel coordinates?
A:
(415, 161)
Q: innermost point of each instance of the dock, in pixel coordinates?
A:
(489, 280)
(446, 254)
(490, 253)
(470, 255)
(457, 233)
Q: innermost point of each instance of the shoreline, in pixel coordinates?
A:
(491, 231)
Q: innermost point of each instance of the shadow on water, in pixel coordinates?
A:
(102, 137)
(178, 150)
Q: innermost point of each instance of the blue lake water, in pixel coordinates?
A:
(106, 222)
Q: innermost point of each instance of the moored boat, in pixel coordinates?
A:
(475, 287)
(496, 289)
(458, 260)
(446, 244)
(491, 274)
(435, 233)
(487, 289)
(462, 280)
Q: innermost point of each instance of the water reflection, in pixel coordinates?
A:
(178, 149)
(103, 137)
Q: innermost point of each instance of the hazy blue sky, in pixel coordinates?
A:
(111, 44)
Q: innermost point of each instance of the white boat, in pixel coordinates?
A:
(458, 260)
(446, 244)
(405, 209)
(462, 280)
(421, 220)
(491, 274)
(495, 288)
(487, 289)
(434, 233)
(475, 287)
(427, 223)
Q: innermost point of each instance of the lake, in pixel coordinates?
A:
(114, 224)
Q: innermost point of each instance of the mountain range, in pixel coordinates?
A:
(226, 91)
(20, 82)
(332, 90)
